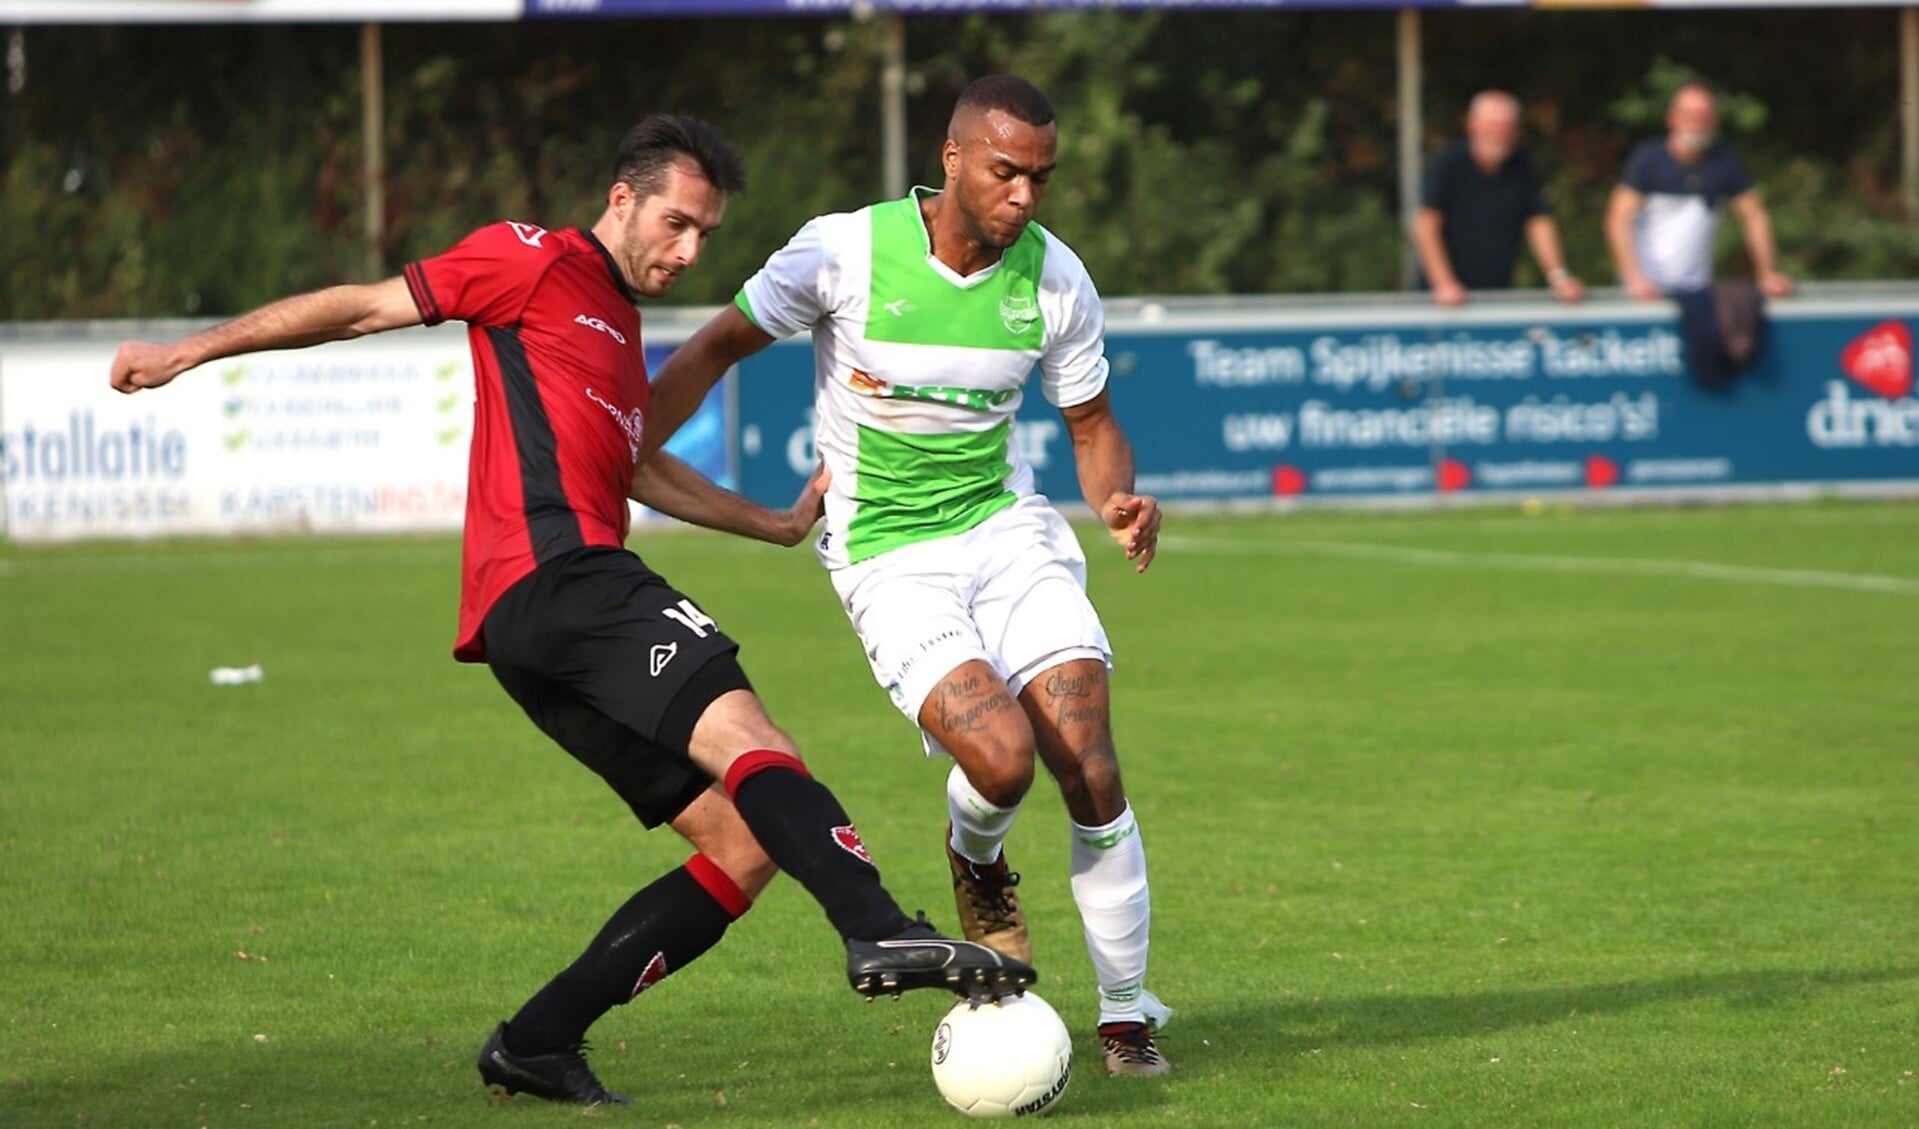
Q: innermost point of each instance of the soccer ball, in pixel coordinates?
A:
(1007, 1059)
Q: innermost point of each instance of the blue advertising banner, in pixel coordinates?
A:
(701, 440)
(1403, 404)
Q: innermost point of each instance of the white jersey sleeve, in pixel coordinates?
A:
(792, 292)
(1073, 367)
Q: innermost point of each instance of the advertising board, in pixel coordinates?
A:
(1402, 402)
(353, 437)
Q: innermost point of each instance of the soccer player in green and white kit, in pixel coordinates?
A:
(967, 589)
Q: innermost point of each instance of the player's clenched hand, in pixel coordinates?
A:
(807, 509)
(139, 364)
(1133, 521)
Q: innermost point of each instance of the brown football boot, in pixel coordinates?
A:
(989, 910)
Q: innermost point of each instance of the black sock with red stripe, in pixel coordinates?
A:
(659, 930)
(804, 829)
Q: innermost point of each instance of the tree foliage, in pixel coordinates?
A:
(153, 171)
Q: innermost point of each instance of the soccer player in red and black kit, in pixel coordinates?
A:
(624, 672)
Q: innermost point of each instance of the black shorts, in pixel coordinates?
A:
(615, 665)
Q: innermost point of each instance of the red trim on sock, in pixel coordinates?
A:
(752, 764)
(719, 885)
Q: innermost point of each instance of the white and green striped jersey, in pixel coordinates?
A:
(918, 371)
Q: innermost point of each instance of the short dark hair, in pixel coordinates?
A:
(1010, 95)
(652, 146)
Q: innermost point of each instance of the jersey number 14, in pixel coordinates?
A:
(691, 618)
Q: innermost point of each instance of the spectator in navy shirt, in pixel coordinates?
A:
(1665, 210)
(1481, 195)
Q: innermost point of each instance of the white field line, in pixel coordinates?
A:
(320, 552)
(1527, 562)
(236, 560)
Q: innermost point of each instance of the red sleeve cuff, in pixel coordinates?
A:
(416, 285)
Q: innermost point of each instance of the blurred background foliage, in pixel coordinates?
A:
(159, 171)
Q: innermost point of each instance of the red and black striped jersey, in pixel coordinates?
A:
(561, 397)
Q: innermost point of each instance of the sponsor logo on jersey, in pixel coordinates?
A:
(661, 654)
(898, 307)
(653, 973)
(848, 840)
(596, 323)
(1018, 312)
(979, 399)
(632, 422)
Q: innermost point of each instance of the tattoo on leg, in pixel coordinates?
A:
(1071, 698)
(959, 714)
(1061, 683)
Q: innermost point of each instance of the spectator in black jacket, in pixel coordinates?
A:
(1482, 193)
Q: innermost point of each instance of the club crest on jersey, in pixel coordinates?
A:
(1018, 312)
(653, 973)
(849, 841)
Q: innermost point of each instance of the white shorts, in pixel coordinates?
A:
(1010, 592)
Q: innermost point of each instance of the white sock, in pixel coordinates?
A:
(1109, 883)
(979, 827)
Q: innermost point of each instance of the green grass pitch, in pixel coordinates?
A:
(1483, 818)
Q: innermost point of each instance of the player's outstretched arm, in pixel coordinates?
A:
(694, 368)
(333, 314)
(670, 486)
(1105, 462)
